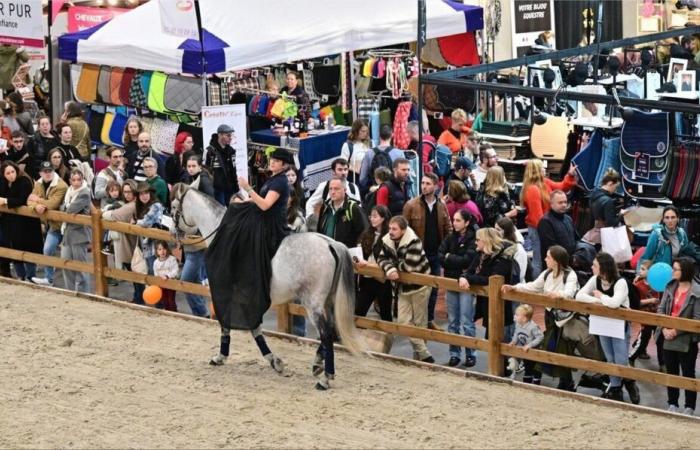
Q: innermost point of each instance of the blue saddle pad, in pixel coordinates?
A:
(645, 132)
(587, 161)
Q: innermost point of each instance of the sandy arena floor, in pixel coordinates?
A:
(79, 374)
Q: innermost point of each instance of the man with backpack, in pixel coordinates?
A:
(339, 168)
(393, 193)
(382, 155)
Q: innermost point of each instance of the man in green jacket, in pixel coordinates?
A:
(150, 169)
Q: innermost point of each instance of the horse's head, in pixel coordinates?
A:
(177, 198)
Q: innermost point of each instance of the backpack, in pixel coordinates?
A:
(634, 297)
(442, 160)
(351, 147)
(381, 158)
(370, 201)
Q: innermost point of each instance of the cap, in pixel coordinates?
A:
(464, 163)
(223, 128)
(45, 166)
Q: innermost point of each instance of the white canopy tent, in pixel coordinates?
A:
(252, 33)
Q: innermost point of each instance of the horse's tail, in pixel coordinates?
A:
(344, 303)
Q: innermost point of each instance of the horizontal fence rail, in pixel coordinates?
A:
(494, 346)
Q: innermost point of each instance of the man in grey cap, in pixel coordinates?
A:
(463, 171)
(220, 158)
(47, 195)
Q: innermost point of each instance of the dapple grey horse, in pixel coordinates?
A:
(307, 266)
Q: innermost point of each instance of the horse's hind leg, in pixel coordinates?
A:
(326, 353)
(223, 348)
(275, 362)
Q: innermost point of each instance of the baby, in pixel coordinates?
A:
(527, 335)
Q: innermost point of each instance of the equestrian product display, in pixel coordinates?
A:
(116, 131)
(125, 86)
(156, 92)
(588, 160)
(644, 143)
(549, 140)
(103, 85)
(115, 83)
(86, 90)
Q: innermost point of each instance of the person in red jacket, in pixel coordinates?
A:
(535, 198)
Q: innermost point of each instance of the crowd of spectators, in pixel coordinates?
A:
(461, 226)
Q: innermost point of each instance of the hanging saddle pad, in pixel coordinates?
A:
(642, 175)
(125, 86)
(147, 123)
(103, 86)
(183, 94)
(326, 80)
(459, 49)
(163, 133)
(588, 160)
(116, 131)
(549, 140)
(115, 83)
(137, 95)
(646, 133)
(106, 126)
(97, 118)
(74, 79)
(86, 90)
(451, 98)
(156, 92)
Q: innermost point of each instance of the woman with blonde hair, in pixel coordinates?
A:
(493, 198)
(354, 150)
(494, 256)
(535, 198)
(455, 137)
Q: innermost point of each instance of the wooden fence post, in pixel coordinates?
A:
(284, 319)
(98, 258)
(496, 325)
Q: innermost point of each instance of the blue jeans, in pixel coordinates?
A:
(191, 272)
(25, 270)
(435, 267)
(460, 314)
(617, 352)
(223, 197)
(536, 251)
(53, 238)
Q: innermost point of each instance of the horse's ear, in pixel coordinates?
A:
(177, 191)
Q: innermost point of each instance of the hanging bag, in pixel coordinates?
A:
(138, 262)
(615, 241)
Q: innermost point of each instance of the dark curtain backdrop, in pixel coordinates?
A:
(568, 19)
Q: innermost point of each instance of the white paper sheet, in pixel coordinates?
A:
(356, 252)
(604, 326)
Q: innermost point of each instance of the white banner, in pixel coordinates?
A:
(179, 18)
(22, 23)
(235, 117)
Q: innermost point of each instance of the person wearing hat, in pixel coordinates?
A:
(149, 211)
(47, 195)
(220, 158)
(463, 171)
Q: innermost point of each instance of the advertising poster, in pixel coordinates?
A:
(235, 117)
(21, 23)
(529, 18)
(84, 17)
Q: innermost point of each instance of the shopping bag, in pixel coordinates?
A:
(614, 240)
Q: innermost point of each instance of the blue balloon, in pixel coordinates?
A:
(659, 275)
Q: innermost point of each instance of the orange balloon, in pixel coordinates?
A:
(152, 295)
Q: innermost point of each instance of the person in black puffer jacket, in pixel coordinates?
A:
(456, 253)
(370, 289)
(494, 257)
(604, 206)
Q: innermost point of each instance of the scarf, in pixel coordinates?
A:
(71, 194)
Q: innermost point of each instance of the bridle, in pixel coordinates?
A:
(179, 216)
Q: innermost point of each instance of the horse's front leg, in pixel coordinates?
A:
(223, 348)
(275, 362)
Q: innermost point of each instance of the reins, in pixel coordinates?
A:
(179, 215)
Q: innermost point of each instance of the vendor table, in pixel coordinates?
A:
(315, 152)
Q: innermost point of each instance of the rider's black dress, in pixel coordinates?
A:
(239, 259)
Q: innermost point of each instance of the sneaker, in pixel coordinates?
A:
(521, 367)
(428, 360)
(41, 281)
(688, 411)
(453, 362)
(470, 361)
(673, 409)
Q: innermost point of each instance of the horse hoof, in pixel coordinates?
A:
(316, 370)
(322, 386)
(217, 360)
(278, 365)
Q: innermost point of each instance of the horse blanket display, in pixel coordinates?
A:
(644, 153)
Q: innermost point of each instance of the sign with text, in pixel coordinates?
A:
(84, 17)
(22, 23)
(179, 18)
(529, 18)
(235, 117)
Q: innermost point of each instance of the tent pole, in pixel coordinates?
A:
(421, 38)
(203, 74)
(50, 62)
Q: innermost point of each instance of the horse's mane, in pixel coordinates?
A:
(180, 188)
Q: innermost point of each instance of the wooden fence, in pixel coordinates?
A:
(494, 346)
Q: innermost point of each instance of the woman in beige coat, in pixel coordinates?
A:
(123, 243)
